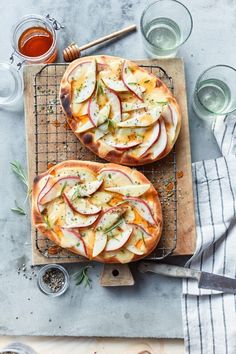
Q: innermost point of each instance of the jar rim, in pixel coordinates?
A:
(26, 19)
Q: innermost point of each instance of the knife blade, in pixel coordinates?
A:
(205, 280)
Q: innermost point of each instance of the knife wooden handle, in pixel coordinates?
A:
(168, 270)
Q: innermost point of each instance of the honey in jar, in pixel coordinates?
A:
(34, 40)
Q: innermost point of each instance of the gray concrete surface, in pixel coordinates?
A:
(152, 307)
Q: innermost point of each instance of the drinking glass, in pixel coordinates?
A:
(215, 92)
(18, 348)
(11, 85)
(165, 26)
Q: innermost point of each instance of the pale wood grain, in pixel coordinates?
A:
(73, 345)
(185, 216)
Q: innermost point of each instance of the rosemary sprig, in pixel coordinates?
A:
(111, 124)
(83, 278)
(47, 222)
(143, 239)
(18, 209)
(113, 226)
(76, 194)
(99, 89)
(21, 174)
(162, 102)
(63, 188)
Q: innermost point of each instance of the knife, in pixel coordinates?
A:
(205, 280)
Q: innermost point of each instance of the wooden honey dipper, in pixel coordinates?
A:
(73, 52)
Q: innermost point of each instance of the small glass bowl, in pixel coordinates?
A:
(11, 84)
(18, 348)
(44, 288)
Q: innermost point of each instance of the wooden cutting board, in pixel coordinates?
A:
(39, 107)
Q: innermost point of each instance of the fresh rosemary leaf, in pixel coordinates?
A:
(82, 277)
(46, 220)
(163, 102)
(21, 174)
(18, 209)
(113, 226)
(111, 124)
(63, 188)
(76, 194)
(143, 239)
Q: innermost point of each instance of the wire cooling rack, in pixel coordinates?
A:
(55, 142)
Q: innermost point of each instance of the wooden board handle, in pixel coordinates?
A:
(116, 275)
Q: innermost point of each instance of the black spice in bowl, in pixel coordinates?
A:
(53, 280)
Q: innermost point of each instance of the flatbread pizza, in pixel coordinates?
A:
(103, 212)
(120, 111)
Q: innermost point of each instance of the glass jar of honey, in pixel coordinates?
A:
(34, 40)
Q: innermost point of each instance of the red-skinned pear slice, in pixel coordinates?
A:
(96, 116)
(136, 242)
(142, 208)
(75, 220)
(72, 238)
(118, 241)
(170, 115)
(129, 215)
(84, 127)
(111, 141)
(100, 241)
(85, 74)
(167, 115)
(160, 145)
(93, 110)
(132, 106)
(115, 105)
(113, 177)
(103, 114)
(115, 85)
(130, 81)
(83, 190)
(142, 120)
(56, 212)
(143, 232)
(57, 188)
(134, 190)
(125, 116)
(43, 191)
(80, 109)
(110, 217)
(124, 256)
(149, 139)
(83, 206)
(101, 131)
(100, 198)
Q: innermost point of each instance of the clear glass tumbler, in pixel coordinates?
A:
(215, 92)
(11, 85)
(17, 348)
(165, 26)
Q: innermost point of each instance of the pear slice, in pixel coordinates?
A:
(83, 79)
(134, 190)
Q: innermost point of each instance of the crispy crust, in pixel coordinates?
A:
(99, 147)
(39, 183)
